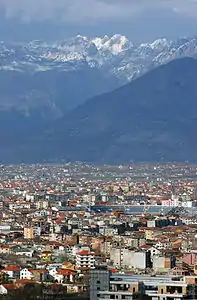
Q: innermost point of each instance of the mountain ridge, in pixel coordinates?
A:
(107, 62)
(40, 83)
(115, 54)
(151, 119)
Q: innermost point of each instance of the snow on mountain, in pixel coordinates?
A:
(114, 44)
(159, 44)
(111, 54)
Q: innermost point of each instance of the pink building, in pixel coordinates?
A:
(190, 258)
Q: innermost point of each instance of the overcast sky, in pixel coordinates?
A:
(57, 19)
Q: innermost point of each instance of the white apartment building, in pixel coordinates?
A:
(85, 260)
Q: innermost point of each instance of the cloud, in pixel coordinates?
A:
(78, 11)
(68, 10)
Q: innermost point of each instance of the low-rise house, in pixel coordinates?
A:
(154, 251)
(64, 275)
(26, 274)
(24, 252)
(163, 245)
(6, 289)
(68, 265)
(40, 275)
(5, 249)
(152, 233)
(3, 290)
(190, 259)
(108, 231)
(12, 271)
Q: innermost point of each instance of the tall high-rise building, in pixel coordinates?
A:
(99, 281)
(195, 192)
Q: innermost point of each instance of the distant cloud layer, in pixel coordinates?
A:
(77, 11)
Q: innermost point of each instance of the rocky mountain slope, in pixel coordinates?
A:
(40, 82)
(153, 118)
(56, 77)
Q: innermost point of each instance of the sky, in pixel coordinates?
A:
(140, 20)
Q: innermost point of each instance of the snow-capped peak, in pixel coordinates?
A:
(82, 38)
(115, 44)
(114, 54)
(157, 44)
(160, 43)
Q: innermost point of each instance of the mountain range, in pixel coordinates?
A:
(141, 103)
(115, 55)
(44, 76)
(151, 119)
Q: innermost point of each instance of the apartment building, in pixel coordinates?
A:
(130, 286)
(133, 259)
(99, 281)
(85, 260)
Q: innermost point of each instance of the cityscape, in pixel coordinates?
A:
(98, 231)
(98, 150)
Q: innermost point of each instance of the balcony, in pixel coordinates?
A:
(166, 295)
(120, 295)
(110, 298)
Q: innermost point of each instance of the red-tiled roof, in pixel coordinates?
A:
(113, 270)
(9, 286)
(85, 252)
(23, 281)
(144, 246)
(65, 272)
(11, 268)
(40, 271)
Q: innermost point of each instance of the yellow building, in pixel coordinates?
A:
(149, 234)
(28, 233)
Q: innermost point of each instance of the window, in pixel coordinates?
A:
(133, 290)
(98, 282)
(98, 288)
(161, 291)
